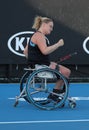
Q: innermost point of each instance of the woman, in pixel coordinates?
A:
(39, 50)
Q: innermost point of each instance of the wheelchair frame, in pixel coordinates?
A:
(35, 88)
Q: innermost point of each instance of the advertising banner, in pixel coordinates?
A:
(70, 23)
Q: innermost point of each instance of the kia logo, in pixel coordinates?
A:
(18, 41)
(85, 45)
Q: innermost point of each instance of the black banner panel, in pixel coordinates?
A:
(71, 22)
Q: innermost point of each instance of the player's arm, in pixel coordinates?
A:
(41, 43)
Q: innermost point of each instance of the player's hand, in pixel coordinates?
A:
(61, 42)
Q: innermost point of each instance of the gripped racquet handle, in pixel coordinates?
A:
(67, 57)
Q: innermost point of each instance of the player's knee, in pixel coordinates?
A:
(67, 73)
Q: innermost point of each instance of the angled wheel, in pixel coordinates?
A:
(23, 84)
(40, 84)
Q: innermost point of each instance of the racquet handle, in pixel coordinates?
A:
(67, 57)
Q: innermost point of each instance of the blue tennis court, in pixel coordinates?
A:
(26, 116)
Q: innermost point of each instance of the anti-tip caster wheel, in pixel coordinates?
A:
(16, 103)
(72, 104)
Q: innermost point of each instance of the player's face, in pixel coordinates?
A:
(48, 27)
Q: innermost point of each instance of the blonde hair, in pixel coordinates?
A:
(39, 20)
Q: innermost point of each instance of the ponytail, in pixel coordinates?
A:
(39, 20)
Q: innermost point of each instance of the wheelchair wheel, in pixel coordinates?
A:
(40, 84)
(23, 84)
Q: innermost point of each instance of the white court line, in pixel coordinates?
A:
(45, 121)
(81, 98)
(76, 98)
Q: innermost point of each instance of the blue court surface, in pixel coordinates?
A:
(27, 117)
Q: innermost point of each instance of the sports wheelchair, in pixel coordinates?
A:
(37, 84)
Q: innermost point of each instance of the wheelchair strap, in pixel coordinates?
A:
(57, 67)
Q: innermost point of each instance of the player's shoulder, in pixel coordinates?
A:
(39, 35)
